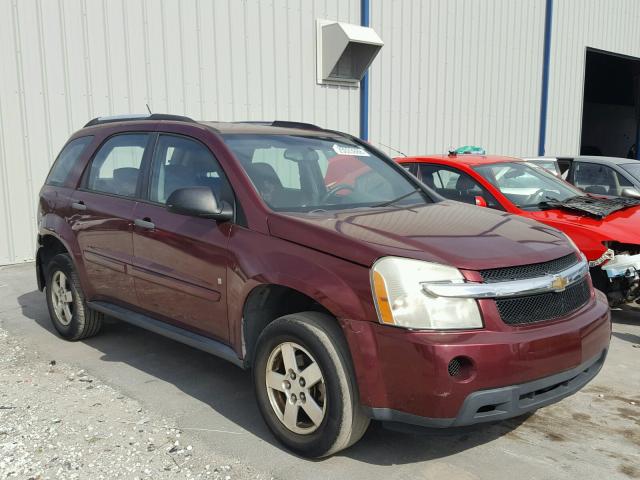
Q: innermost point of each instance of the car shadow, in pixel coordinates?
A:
(627, 337)
(228, 390)
(628, 314)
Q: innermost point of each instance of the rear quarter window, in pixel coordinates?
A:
(66, 160)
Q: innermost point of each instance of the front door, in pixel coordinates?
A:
(180, 261)
(103, 214)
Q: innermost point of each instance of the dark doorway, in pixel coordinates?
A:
(611, 105)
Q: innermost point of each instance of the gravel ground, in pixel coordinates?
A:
(139, 393)
(59, 422)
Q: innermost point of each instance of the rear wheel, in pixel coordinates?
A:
(305, 385)
(67, 308)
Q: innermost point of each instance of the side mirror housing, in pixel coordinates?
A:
(630, 192)
(480, 201)
(199, 202)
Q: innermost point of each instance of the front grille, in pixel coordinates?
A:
(529, 271)
(544, 306)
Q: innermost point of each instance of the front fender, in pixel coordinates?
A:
(587, 240)
(340, 286)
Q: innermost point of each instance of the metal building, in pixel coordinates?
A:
(450, 73)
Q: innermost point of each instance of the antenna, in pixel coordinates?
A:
(148, 108)
(394, 149)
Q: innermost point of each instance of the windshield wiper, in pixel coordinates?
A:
(555, 202)
(401, 197)
(550, 202)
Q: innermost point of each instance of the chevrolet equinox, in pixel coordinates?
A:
(352, 290)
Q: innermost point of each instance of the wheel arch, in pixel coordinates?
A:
(267, 302)
(49, 245)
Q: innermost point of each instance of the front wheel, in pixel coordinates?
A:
(305, 385)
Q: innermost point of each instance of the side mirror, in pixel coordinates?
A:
(630, 192)
(480, 201)
(198, 202)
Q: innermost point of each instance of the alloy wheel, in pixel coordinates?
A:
(296, 388)
(62, 298)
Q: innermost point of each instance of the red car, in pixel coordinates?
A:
(605, 229)
(351, 290)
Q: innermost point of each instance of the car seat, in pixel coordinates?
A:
(125, 181)
(467, 190)
(266, 180)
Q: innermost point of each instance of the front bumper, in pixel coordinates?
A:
(505, 402)
(622, 265)
(619, 279)
(404, 375)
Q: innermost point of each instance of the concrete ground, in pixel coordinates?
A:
(593, 435)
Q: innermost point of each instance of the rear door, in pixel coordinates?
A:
(180, 263)
(102, 216)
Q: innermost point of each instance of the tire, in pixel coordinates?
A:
(68, 310)
(335, 420)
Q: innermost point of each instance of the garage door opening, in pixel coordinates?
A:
(611, 105)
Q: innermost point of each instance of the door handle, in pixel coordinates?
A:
(78, 205)
(145, 223)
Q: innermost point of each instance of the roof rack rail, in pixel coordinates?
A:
(134, 117)
(282, 124)
(300, 125)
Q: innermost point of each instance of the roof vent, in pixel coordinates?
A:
(344, 52)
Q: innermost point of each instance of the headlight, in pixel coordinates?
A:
(401, 301)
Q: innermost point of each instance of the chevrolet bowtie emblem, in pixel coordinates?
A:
(559, 283)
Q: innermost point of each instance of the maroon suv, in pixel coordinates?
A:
(352, 290)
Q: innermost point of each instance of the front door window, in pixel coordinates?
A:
(455, 185)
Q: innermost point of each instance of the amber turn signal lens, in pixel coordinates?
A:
(382, 298)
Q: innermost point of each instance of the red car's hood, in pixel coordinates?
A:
(621, 226)
(452, 233)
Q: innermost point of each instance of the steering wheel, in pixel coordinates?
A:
(536, 197)
(331, 191)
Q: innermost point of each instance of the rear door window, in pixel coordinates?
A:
(66, 160)
(410, 167)
(115, 169)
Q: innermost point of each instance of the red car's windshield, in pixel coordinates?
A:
(527, 187)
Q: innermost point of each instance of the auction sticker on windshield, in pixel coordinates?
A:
(353, 151)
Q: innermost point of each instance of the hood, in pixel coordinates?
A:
(621, 226)
(598, 207)
(452, 233)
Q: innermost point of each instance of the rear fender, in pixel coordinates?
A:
(57, 227)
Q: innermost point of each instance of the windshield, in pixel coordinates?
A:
(633, 169)
(307, 173)
(549, 165)
(527, 187)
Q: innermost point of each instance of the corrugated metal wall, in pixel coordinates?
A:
(451, 73)
(64, 62)
(457, 72)
(469, 71)
(612, 25)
